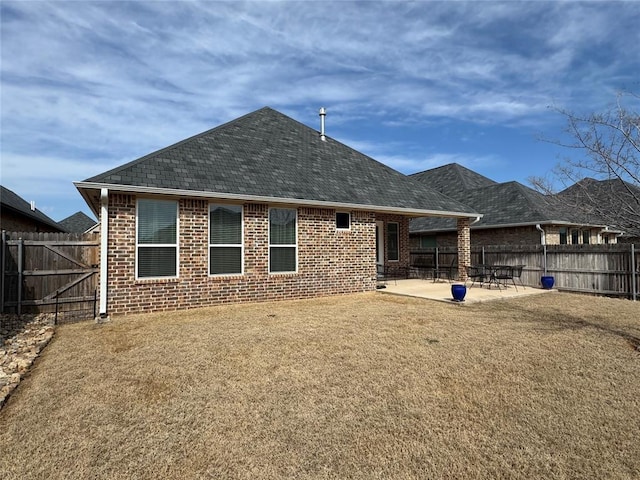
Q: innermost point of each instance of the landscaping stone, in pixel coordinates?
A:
(22, 338)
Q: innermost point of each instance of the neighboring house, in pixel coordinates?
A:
(260, 208)
(513, 214)
(613, 201)
(18, 215)
(79, 222)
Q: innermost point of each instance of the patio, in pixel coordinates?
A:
(441, 290)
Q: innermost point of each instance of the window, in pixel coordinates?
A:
(563, 236)
(343, 220)
(157, 239)
(393, 242)
(283, 247)
(574, 237)
(586, 237)
(428, 241)
(606, 238)
(225, 239)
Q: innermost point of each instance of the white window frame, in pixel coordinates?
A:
(343, 229)
(397, 241)
(219, 245)
(158, 245)
(281, 245)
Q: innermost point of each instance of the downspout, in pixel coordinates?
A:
(543, 236)
(543, 242)
(104, 243)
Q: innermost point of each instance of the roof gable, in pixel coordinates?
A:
(449, 178)
(79, 222)
(269, 155)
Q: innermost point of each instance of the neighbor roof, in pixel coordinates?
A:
(613, 201)
(79, 222)
(12, 201)
(503, 204)
(450, 176)
(266, 156)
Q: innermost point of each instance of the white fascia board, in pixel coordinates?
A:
(414, 212)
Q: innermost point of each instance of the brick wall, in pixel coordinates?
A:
(12, 222)
(330, 261)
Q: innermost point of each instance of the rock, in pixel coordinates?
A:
(22, 339)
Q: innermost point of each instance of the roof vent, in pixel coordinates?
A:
(33, 205)
(323, 113)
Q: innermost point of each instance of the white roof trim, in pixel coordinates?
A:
(273, 200)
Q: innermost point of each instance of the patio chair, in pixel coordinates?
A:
(423, 266)
(476, 273)
(387, 272)
(517, 274)
(446, 271)
(502, 274)
(381, 278)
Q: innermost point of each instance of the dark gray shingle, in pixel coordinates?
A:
(268, 154)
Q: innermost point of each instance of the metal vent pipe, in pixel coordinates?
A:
(323, 113)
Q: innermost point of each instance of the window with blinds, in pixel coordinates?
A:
(225, 239)
(156, 238)
(283, 243)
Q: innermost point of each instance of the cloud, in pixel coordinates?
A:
(87, 85)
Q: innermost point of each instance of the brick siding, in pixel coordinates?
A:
(330, 261)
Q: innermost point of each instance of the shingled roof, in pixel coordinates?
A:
(269, 157)
(79, 222)
(612, 201)
(446, 177)
(14, 202)
(503, 204)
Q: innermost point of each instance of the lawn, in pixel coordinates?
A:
(362, 386)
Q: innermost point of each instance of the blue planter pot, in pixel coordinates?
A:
(458, 292)
(547, 282)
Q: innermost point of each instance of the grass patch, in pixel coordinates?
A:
(362, 386)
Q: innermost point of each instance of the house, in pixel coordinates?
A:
(79, 222)
(612, 201)
(260, 208)
(18, 215)
(513, 214)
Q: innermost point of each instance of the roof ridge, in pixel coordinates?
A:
(178, 144)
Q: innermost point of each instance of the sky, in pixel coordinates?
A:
(87, 86)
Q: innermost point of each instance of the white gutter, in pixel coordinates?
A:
(478, 218)
(543, 235)
(272, 200)
(104, 243)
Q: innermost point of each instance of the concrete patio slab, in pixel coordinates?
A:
(441, 291)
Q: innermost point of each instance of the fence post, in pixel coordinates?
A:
(634, 285)
(437, 259)
(20, 275)
(483, 261)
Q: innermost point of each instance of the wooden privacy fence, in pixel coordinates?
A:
(612, 269)
(49, 272)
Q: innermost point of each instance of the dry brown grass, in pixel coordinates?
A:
(365, 386)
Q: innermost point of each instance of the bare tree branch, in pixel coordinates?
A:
(604, 176)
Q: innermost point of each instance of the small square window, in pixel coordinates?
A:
(343, 220)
